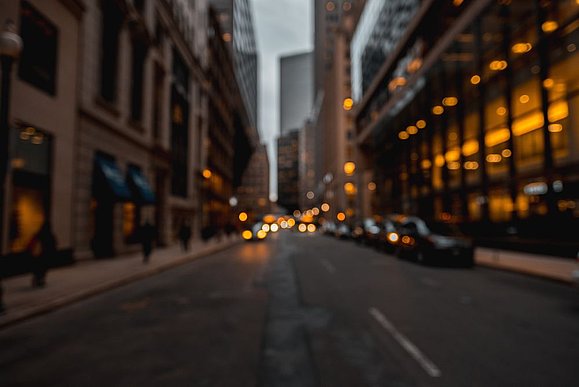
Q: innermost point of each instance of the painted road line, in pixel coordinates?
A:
(430, 368)
(329, 267)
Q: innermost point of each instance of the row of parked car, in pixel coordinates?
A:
(410, 237)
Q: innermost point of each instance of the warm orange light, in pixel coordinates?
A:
(372, 186)
(325, 207)
(498, 65)
(475, 79)
(426, 164)
(349, 167)
(506, 153)
(403, 135)
(501, 111)
(470, 147)
(496, 137)
(207, 173)
(521, 48)
(393, 237)
(414, 65)
(555, 128)
(494, 158)
(548, 83)
(302, 227)
(453, 165)
(412, 129)
(450, 101)
(453, 154)
(341, 216)
(261, 234)
(439, 160)
(457, 3)
(348, 104)
(291, 222)
(311, 227)
(471, 165)
(246, 235)
(396, 83)
(549, 26)
(437, 110)
(242, 216)
(227, 37)
(350, 188)
(524, 98)
(421, 124)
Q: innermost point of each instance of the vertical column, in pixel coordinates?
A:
(481, 88)
(508, 75)
(544, 64)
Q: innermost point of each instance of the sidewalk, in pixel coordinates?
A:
(554, 268)
(87, 278)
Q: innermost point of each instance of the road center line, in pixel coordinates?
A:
(430, 368)
(329, 267)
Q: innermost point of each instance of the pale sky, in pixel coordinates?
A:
(282, 27)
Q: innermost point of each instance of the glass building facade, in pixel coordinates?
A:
(475, 116)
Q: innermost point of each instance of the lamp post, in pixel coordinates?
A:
(10, 47)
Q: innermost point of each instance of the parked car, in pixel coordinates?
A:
(575, 273)
(343, 231)
(389, 236)
(255, 232)
(431, 242)
(329, 228)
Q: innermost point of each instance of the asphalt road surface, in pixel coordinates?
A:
(305, 310)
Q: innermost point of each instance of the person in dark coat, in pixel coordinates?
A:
(147, 236)
(41, 248)
(185, 235)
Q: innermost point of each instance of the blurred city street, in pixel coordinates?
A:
(303, 309)
(289, 193)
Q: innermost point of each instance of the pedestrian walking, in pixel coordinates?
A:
(41, 249)
(185, 235)
(147, 235)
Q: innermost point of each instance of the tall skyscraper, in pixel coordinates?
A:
(296, 90)
(236, 21)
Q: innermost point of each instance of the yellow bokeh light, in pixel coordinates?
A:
(521, 48)
(450, 101)
(350, 188)
(349, 167)
(555, 128)
(265, 227)
(498, 65)
(325, 207)
(548, 83)
(549, 26)
(506, 153)
(403, 135)
(261, 234)
(311, 227)
(291, 222)
(274, 227)
(348, 104)
(302, 227)
(475, 79)
(524, 98)
(421, 124)
(437, 110)
(341, 216)
(242, 216)
(412, 129)
(246, 235)
(207, 173)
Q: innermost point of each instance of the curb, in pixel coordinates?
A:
(32, 312)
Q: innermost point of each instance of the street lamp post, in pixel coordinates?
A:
(10, 47)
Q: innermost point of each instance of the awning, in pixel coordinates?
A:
(113, 178)
(140, 186)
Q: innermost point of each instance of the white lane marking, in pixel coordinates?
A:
(329, 267)
(430, 368)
